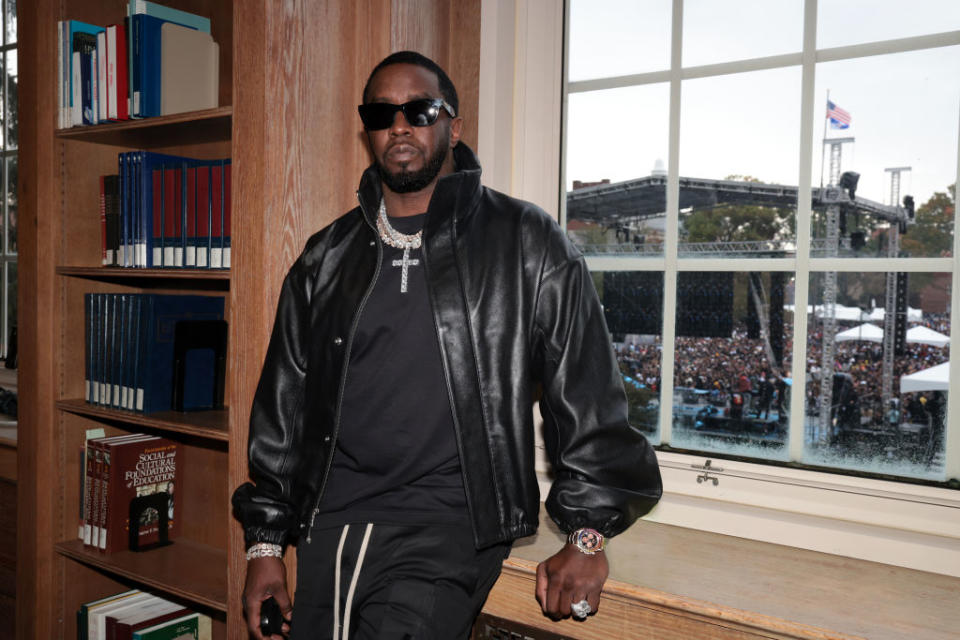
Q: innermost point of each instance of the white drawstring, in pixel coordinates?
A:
(336, 584)
(353, 581)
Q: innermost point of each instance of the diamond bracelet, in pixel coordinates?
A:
(264, 550)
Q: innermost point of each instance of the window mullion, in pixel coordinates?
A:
(667, 355)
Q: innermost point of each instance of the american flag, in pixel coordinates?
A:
(839, 119)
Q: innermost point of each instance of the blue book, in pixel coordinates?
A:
(70, 28)
(147, 58)
(88, 346)
(102, 354)
(87, 62)
(113, 340)
(158, 323)
(169, 14)
(149, 162)
(136, 401)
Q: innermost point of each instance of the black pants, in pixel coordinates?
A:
(385, 582)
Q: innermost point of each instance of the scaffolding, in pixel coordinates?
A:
(890, 302)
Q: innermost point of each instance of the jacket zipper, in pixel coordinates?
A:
(446, 377)
(346, 364)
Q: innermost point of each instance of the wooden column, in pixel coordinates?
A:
(38, 308)
(299, 150)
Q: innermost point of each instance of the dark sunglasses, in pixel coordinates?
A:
(419, 113)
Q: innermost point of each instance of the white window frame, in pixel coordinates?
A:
(522, 111)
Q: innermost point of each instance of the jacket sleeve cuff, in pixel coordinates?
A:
(253, 535)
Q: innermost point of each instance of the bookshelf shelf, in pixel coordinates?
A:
(215, 278)
(187, 569)
(209, 125)
(210, 425)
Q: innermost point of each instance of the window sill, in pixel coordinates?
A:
(681, 583)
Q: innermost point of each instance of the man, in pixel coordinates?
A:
(392, 426)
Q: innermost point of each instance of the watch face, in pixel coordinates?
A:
(589, 540)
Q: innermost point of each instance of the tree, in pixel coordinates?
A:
(736, 223)
(932, 235)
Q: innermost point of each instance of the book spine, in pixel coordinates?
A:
(104, 494)
(226, 215)
(111, 71)
(61, 88)
(95, 497)
(102, 76)
(156, 214)
(88, 344)
(103, 221)
(90, 476)
(76, 106)
(190, 231)
(123, 77)
(216, 222)
(181, 217)
(136, 28)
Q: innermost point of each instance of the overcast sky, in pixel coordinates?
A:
(905, 107)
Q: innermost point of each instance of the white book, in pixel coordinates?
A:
(112, 72)
(76, 110)
(102, 76)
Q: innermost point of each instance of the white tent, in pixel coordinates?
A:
(923, 335)
(868, 332)
(913, 315)
(933, 379)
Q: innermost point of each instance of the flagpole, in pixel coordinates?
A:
(823, 144)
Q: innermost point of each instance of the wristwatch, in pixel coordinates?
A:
(588, 541)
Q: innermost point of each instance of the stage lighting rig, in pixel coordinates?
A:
(908, 205)
(849, 181)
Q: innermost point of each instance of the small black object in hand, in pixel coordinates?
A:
(271, 618)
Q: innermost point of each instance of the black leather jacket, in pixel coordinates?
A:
(515, 309)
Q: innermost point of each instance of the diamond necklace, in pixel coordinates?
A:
(399, 241)
(393, 237)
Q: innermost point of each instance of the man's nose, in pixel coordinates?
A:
(400, 126)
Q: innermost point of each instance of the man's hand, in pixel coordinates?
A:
(570, 576)
(265, 577)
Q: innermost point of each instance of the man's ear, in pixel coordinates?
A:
(456, 126)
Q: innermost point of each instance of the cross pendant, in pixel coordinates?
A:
(405, 264)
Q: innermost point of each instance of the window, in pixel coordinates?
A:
(768, 211)
(8, 168)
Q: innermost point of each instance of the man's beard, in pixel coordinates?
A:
(411, 181)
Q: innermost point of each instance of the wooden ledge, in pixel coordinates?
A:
(669, 583)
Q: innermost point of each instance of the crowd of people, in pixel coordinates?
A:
(738, 364)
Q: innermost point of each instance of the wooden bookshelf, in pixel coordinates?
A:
(205, 584)
(290, 79)
(213, 425)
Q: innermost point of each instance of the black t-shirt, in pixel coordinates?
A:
(396, 459)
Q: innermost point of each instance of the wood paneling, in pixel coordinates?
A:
(38, 192)
(299, 151)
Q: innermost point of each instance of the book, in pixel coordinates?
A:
(89, 434)
(189, 68)
(158, 321)
(97, 616)
(102, 76)
(85, 608)
(111, 202)
(116, 72)
(147, 206)
(98, 501)
(148, 60)
(122, 625)
(216, 218)
(157, 10)
(83, 48)
(195, 626)
(137, 468)
(88, 346)
(68, 79)
(225, 199)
